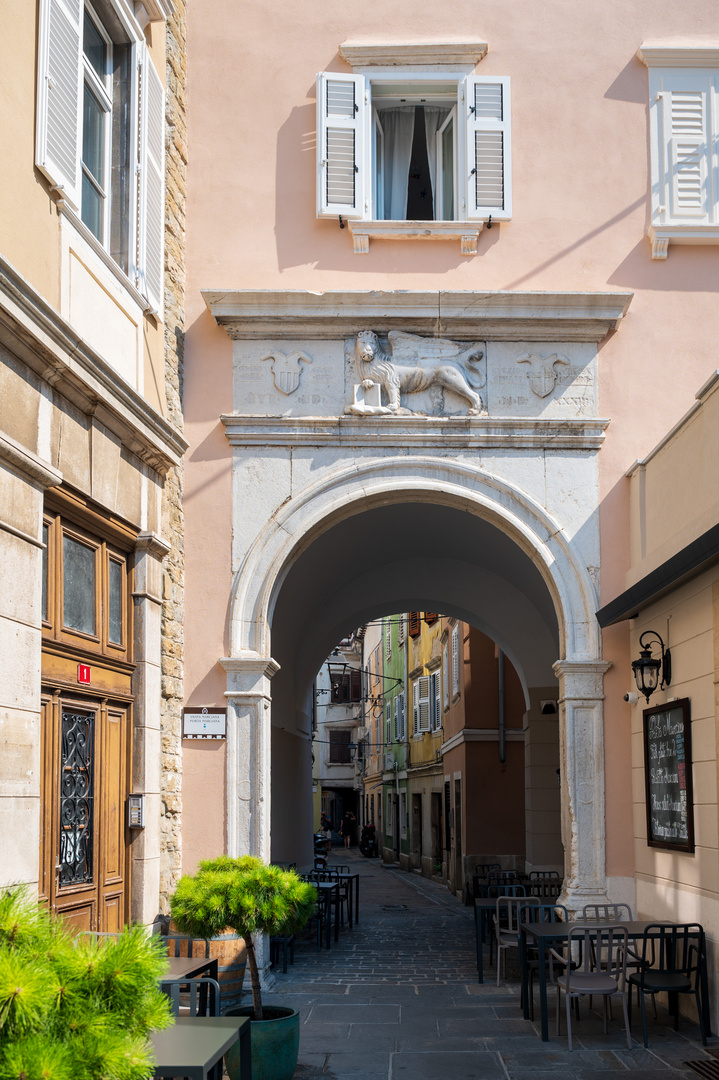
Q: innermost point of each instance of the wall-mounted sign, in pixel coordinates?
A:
(668, 775)
(204, 723)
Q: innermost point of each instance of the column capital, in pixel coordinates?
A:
(251, 664)
(581, 679)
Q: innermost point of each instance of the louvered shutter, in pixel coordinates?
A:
(430, 617)
(59, 94)
(455, 660)
(400, 630)
(388, 640)
(436, 703)
(445, 674)
(403, 718)
(685, 114)
(355, 685)
(342, 158)
(423, 703)
(415, 708)
(151, 224)
(415, 623)
(487, 150)
(397, 732)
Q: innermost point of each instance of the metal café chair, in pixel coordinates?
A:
(616, 913)
(538, 913)
(493, 892)
(672, 957)
(601, 970)
(506, 925)
(200, 997)
(480, 875)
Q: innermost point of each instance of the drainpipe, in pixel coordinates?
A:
(502, 711)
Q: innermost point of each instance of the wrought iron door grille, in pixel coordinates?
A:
(76, 797)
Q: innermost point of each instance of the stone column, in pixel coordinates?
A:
(24, 477)
(581, 749)
(147, 750)
(248, 754)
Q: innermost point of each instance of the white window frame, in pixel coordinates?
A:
(101, 89)
(676, 69)
(368, 187)
(58, 142)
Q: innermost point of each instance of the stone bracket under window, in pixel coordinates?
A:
(466, 232)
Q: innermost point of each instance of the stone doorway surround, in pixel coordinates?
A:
(479, 463)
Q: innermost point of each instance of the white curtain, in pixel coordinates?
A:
(398, 126)
(434, 117)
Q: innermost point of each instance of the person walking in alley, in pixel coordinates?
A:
(347, 825)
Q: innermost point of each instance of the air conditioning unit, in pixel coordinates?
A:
(388, 761)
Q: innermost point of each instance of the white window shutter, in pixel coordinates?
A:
(342, 157)
(487, 151)
(59, 96)
(151, 223)
(685, 114)
(396, 719)
(455, 660)
(400, 630)
(436, 703)
(445, 674)
(415, 708)
(402, 724)
(388, 640)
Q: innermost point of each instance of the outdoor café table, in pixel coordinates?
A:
(547, 935)
(352, 909)
(190, 967)
(482, 907)
(193, 1044)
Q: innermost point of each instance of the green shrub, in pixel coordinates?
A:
(75, 1008)
(248, 897)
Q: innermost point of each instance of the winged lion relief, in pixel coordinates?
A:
(412, 364)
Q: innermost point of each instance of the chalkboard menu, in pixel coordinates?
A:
(668, 774)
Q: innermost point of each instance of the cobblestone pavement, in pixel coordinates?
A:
(397, 997)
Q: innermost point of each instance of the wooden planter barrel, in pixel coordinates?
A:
(230, 952)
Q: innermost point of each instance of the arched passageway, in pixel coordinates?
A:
(400, 535)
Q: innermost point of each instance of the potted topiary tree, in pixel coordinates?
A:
(250, 897)
(75, 1008)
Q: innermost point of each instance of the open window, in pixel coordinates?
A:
(393, 147)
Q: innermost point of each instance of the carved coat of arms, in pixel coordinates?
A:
(287, 369)
(413, 364)
(542, 371)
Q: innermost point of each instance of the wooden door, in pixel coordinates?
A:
(84, 842)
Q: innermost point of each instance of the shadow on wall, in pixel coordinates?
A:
(303, 239)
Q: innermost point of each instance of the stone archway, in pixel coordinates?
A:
(350, 490)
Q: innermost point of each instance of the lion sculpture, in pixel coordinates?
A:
(418, 363)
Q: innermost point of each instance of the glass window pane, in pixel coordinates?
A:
(93, 123)
(78, 583)
(92, 203)
(115, 603)
(94, 47)
(45, 536)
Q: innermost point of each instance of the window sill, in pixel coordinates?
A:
(661, 236)
(104, 256)
(466, 232)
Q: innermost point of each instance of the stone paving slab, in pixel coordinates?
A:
(398, 998)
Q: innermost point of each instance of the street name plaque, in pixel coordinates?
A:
(668, 776)
(204, 723)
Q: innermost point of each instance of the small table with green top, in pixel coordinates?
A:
(194, 1045)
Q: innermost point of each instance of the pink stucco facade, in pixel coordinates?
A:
(581, 206)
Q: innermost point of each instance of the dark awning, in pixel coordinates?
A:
(688, 563)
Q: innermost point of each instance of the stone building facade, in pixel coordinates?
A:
(90, 430)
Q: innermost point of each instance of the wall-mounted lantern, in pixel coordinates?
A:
(651, 672)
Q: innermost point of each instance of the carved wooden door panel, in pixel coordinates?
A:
(84, 845)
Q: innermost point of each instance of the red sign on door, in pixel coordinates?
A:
(83, 673)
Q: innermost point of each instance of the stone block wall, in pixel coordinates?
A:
(173, 581)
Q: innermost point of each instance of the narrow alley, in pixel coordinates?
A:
(398, 997)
